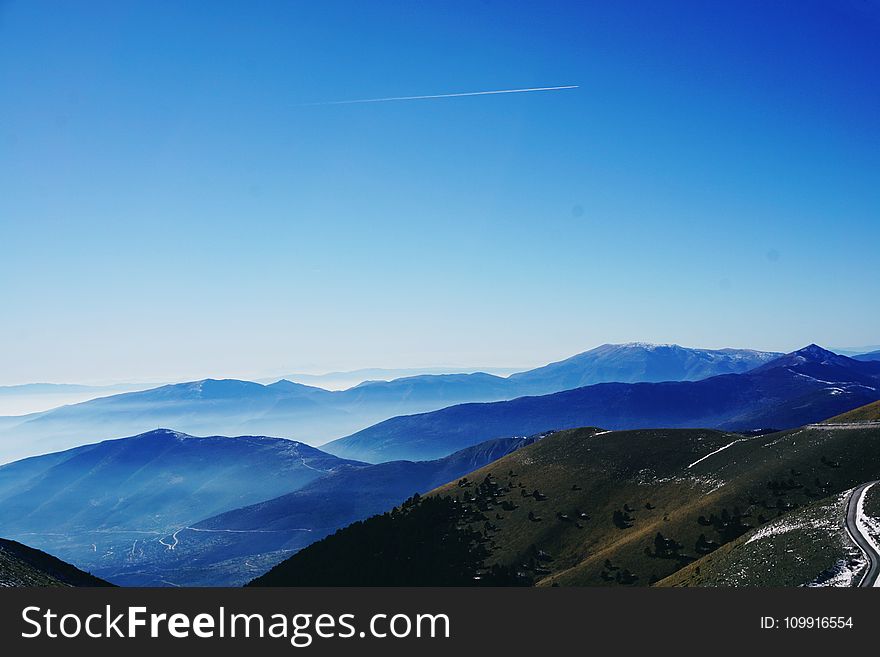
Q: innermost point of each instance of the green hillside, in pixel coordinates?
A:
(24, 566)
(658, 500)
(808, 546)
(589, 507)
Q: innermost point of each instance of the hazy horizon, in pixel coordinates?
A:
(112, 386)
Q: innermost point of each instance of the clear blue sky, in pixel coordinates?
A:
(172, 207)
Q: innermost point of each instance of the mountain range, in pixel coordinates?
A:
(167, 508)
(313, 415)
(39, 397)
(805, 386)
(350, 378)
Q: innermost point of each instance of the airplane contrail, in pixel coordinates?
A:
(456, 95)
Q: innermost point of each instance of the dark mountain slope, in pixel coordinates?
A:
(449, 552)
(21, 565)
(806, 386)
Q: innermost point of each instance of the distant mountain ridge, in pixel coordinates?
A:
(871, 355)
(641, 362)
(315, 415)
(18, 400)
(804, 386)
(343, 380)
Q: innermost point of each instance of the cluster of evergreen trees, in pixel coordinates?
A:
(729, 525)
(423, 542)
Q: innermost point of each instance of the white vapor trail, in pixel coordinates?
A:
(457, 95)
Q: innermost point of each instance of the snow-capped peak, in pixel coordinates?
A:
(166, 433)
(814, 352)
(649, 346)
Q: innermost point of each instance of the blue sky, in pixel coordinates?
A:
(172, 206)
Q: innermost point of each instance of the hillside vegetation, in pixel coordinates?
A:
(379, 552)
(808, 546)
(591, 507)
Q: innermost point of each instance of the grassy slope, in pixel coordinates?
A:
(867, 413)
(639, 467)
(803, 548)
(611, 470)
(24, 566)
(808, 546)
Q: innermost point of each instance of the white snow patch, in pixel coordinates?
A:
(812, 378)
(700, 460)
(785, 525)
(843, 575)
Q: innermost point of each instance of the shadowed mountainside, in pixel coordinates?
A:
(21, 565)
